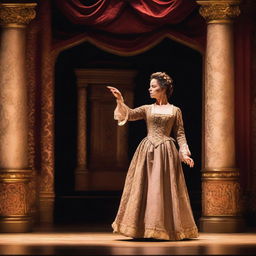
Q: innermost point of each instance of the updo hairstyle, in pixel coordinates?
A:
(165, 81)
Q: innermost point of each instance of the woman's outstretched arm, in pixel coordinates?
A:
(122, 112)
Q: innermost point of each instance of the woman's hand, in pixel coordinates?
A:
(117, 94)
(189, 161)
(184, 154)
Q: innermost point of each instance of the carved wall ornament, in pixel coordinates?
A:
(13, 199)
(219, 12)
(15, 192)
(31, 82)
(221, 198)
(47, 137)
(19, 14)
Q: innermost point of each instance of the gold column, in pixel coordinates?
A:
(220, 177)
(81, 172)
(15, 176)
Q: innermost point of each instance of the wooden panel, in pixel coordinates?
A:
(102, 131)
(106, 163)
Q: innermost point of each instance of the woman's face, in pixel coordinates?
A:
(155, 90)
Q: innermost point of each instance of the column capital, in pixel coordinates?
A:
(17, 14)
(219, 11)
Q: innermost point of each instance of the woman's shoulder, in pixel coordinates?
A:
(146, 106)
(176, 109)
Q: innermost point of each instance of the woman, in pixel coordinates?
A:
(155, 202)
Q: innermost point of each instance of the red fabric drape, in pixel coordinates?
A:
(126, 21)
(127, 17)
(243, 39)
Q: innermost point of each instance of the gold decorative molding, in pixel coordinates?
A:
(221, 198)
(17, 15)
(15, 194)
(220, 169)
(219, 11)
(16, 224)
(13, 198)
(31, 82)
(32, 34)
(47, 102)
(47, 137)
(220, 174)
(15, 175)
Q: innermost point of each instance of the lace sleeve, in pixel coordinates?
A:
(123, 113)
(179, 133)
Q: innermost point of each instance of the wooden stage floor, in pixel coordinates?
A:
(78, 241)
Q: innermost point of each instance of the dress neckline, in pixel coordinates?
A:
(169, 113)
(162, 104)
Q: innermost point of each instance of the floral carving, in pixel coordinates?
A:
(20, 14)
(13, 199)
(219, 11)
(221, 198)
(47, 105)
(31, 81)
(47, 178)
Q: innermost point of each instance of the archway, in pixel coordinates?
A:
(181, 62)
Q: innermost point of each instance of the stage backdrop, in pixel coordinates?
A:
(126, 27)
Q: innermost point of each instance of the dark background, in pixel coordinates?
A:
(182, 63)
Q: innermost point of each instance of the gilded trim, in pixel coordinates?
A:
(221, 169)
(220, 174)
(12, 175)
(219, 11)
(16, 15)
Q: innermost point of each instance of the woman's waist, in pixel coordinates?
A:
(161, 135)
(155, 137)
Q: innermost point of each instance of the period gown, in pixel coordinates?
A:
(155, 201)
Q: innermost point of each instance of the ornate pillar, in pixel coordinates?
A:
(47, 175)
(32, 84)
(15, 176)
(81, 172)
(220, 177)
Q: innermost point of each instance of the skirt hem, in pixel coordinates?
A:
(155, 233)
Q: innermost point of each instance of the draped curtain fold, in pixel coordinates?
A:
(126, 21)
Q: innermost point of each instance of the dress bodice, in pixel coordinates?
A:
(159, 126)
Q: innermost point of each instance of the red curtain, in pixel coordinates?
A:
(131, 25)
(244, 32)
